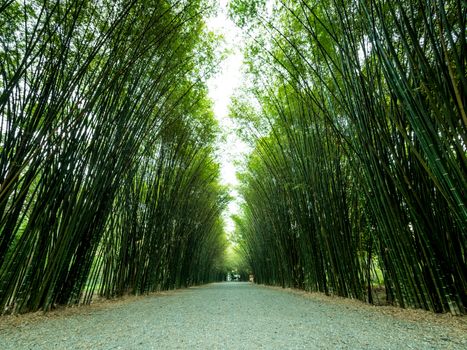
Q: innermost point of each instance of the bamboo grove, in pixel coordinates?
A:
(358, 175)
(108, 180)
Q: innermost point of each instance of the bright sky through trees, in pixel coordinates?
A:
(221, 88)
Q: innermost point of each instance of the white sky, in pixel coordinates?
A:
(221, 88)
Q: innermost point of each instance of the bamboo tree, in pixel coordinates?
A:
(99, 101)
(379, 132)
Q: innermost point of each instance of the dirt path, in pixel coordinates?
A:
(228, 316)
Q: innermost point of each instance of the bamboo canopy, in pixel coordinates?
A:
(358, 179)
(108, 181)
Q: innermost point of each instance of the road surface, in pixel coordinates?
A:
(231, 315)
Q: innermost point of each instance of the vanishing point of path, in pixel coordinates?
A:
(228, 316)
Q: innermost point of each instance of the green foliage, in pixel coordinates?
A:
(108, 182)
(245, 12)
(364, 166)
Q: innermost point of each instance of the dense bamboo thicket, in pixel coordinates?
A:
(108, 181)
(358, 176)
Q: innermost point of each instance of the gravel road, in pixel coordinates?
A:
(231, 315)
